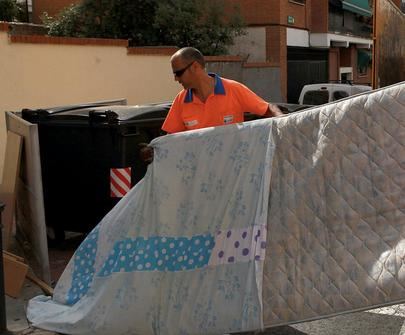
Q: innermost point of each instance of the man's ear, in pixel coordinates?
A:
(194, 66)
(197, 67)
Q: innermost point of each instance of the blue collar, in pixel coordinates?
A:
(218, 89)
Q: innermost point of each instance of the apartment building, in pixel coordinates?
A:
(311, 41)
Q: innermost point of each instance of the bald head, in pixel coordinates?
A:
(189, 54)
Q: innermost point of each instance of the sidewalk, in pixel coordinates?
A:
(17, 322)
(59, 256)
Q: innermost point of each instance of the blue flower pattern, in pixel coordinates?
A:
(204, 316)
(213, 145)
(256, 178)
(212, 188)
(178, 295)
(250, 310)
(229, 285)
(238, 206)
(144, 255)
(160, 154)
(185, 215)
(240, 156)
(161, 193)
(187, 166)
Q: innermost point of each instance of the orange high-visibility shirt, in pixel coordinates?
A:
(226, 106)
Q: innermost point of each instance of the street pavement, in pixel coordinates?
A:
(382, 321)
(16, 307)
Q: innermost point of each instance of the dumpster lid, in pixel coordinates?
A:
(109, 113)
(59, 109)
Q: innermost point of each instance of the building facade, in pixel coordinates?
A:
(312, 41)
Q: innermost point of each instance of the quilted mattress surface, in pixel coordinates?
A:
(336, 218)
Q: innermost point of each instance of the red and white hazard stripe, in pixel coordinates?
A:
(120, 182)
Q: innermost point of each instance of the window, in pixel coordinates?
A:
(339, 95)
(316, 98)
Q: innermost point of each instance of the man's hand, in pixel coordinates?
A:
(274, 110)
(145, 152)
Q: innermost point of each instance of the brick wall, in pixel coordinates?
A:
(300, 13)
(348, 58)
(276, 53)
(168, 51)
(262, 12)
(259, 12)
(4, 26)
(52, 7)
(319, 22)
(334, 63)
(38, 39)
(345, 57)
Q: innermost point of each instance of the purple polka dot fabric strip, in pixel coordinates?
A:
(239, 245)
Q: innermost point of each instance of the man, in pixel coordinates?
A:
(207, 99)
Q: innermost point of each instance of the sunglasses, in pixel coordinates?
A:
(179, 73)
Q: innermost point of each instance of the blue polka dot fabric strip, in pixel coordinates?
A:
(83, 268)
(169, 254)
(159, 254)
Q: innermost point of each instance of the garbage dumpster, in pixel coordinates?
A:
(90, 158)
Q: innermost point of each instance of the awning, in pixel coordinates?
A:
(360, 7)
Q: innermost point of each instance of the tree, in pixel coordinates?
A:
(200, 23)
(68, 22)
(8, 10)
(11, 10)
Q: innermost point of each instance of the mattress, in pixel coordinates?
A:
(336, 209)
(248, 226)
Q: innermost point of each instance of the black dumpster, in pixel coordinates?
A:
(90, 158)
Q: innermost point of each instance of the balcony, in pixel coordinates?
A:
(351, 18)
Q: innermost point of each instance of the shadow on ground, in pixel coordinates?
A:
(361, 323)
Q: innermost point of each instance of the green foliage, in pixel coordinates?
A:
(132, 20)
(68, 23)
(104, 18)
(8, 10)
(201, 24)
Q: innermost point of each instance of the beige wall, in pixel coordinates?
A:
(44, 75)
(251, 46)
